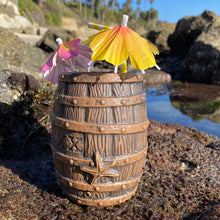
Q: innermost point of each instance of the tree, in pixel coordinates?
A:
(80, 6)
(104, 9)
(138, 2)
(126, 9)
(149, 15)
(138, 8)
(92, 7)
(85, 9)
(112, 2)
(99, 9)
(151, 2)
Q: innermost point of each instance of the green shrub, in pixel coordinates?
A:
(56, 19)
(52, 18)
(49, 19)
(53, 15)
(66, 14)
(26, 5)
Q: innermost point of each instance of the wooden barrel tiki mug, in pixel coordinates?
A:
(99, 139)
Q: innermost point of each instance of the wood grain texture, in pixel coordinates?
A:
(92, 158)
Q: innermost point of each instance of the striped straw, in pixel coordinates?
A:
(98, 26)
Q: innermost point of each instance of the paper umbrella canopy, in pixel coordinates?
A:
(65, 59)
(117, 44)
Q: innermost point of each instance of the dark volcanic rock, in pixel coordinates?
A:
(160, 34)
(187, 30)
(171, 64)
(13, 85)
(202, 62)
(23, 81)
(195, 51)
(48, 42)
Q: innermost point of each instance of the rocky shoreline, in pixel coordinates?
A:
(180, 180)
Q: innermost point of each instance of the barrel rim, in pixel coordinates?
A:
(97, 77)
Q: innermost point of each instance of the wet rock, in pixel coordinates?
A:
(48, 42)
(199, 101)
(20, 57)
(202, 61)
(187, 30)
(209, 110)
(153, 76)
(195, 92)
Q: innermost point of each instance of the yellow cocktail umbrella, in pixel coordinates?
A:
(117, 44)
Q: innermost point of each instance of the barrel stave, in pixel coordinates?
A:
(88, 163)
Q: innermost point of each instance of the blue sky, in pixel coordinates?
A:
(173, 10)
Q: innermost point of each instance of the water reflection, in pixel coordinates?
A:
(172, 103)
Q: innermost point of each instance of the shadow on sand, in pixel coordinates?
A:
(25, 143)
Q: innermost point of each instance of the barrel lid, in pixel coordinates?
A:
(97, 77)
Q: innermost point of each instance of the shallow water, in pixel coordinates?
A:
(160, 108)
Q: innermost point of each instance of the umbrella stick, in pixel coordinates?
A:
(142, 71)
(157, 67)
(116, 69)
(124, 21)
(59, 41)
(98, 26)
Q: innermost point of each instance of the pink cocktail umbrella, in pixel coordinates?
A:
(65, 59)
